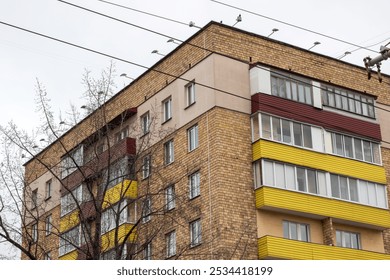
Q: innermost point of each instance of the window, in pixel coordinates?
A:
(69, 240)
(286, 176)
(146, 210)
(169, 152)
(358, 191)
(146, 166)
(170, 240)
(170, 198)
(167, 109)
(291, 87)
(194, 184)
(190, 93)
(296, 231)
(348, 239)
(356, 148)
(286, 131)
(148, 251)
(114, 217)
(193, 138)
(348, 101)
(195, 233)
(48, 256)
(34, 232)
(48, 189)
(48, 224)
(118, 172)
(122, 134)
(34, 198)
(72, 161)
(68, 202)
(145, 123)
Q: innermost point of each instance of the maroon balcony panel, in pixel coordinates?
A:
(306, 113)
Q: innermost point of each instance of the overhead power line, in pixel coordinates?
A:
(147, 13)
(293, 25)
(178, 40)
(153, 69)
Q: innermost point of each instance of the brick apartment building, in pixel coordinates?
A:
(250, 147)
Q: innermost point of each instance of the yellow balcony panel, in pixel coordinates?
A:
(69, 256)
(125, 189)
(69, 221)
(108, 239)
(285, 200)
(316, 160)
(270, 247)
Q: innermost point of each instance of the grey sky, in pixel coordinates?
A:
(25, 57)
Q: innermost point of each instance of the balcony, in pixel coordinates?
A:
(69, 221)
(303, 204)
(124, 233)
(126, 189)
(97, 163)
(316, 160)
(270, 247)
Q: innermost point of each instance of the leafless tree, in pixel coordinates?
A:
(99, 211)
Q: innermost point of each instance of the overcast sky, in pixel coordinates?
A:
(25, 57)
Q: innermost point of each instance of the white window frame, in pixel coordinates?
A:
(190, 93)
(193, 137)
(145, 123)
(167, 109)
(356, 140)
(48, 224)
(299, 234)
(274, 133)
(295, 88)
(48, 188)
(169, 152)
(69, 240)
(347, 235)
(349, 101)
(146, 166)
(68, 204)
(194, 184)
(147, 252)
(34, 232)
(72, 161)
(170, 239)
(195, 233)
(34, 199)
(170, 197)
(109, 217)
(122, 134)
(325, 185)
(147, 210)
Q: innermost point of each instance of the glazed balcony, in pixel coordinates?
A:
(303, 204)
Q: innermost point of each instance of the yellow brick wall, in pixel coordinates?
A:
(227, 172)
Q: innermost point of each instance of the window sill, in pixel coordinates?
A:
(189, 151)
(190, 105)
(195, 245)
(192, 198)
(143, 135)
(164, 122)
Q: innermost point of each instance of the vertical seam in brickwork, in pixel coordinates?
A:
(209, 179)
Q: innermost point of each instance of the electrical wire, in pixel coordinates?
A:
(154, 69)
(179, 40)
(146, 13)
(292, 25)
